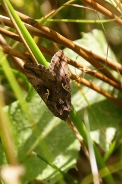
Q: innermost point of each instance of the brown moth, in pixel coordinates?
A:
(52, 84)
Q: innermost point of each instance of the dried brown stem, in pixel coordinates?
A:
(85, 53)
(107, 62)
(94, 58)
(108, 6)
(104, 60)
(12, 52)
(68, 43)
(95, 74)
(73, 77)
(6, 21)
(103, 10)
(10, 34)
(78, 136)
(96, 88)
(16, 60)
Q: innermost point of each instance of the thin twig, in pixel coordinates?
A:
(96, 88)
(103, 10)
(94, 58)
(78, 136)
(11, 52)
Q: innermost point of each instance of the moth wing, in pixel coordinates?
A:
(59, 68)
(39, 71)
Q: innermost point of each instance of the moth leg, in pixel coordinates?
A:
(47, 94)
(65, 87)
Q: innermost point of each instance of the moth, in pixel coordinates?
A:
(52, 84)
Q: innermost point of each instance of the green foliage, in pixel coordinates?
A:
(47, 136)
(50, 137)
(104, 115)
(36, 130)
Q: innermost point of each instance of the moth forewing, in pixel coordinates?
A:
(53, 84)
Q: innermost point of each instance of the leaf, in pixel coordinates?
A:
(47, 135)
(104, 115)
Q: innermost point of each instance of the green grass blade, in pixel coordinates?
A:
(25, 35)
(82, 130)
(14, 85)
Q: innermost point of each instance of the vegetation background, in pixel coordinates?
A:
(45, 145)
